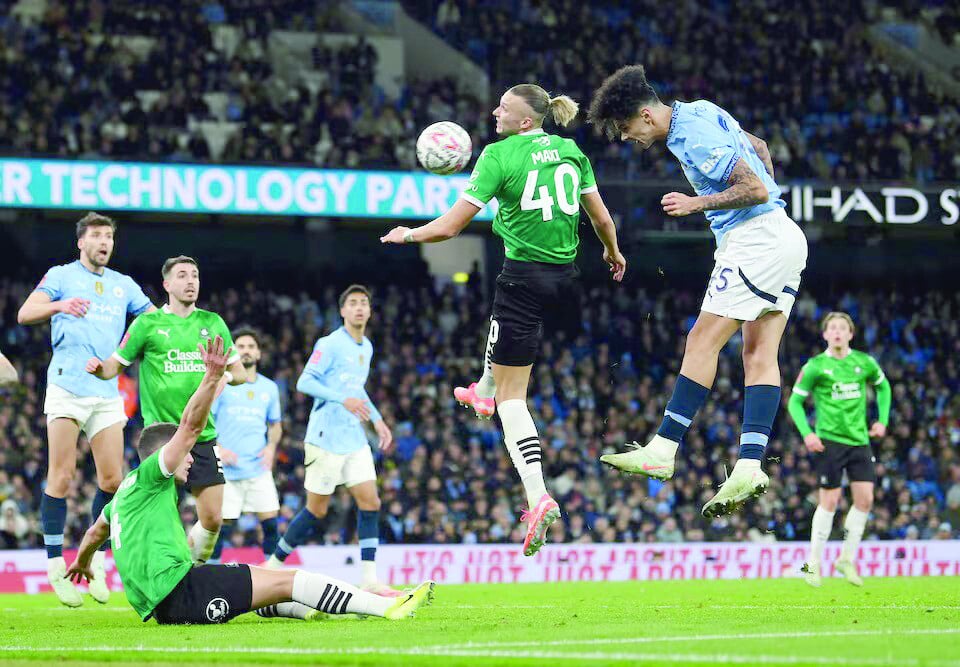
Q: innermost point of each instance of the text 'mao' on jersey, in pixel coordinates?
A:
(708, 142)
(171, 367)
(75, 339)
(537, 179)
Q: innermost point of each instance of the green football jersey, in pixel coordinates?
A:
(537, 179)
(839, 388)
(171, 369)
(146, 534)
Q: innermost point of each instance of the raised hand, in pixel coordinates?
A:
(214, 357)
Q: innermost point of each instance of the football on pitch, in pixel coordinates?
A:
(444, 148)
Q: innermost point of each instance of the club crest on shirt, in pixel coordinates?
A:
(118, 292)
(98, 288)
(204, 333)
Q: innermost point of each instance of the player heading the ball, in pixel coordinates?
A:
(760, 255)
(540, 181)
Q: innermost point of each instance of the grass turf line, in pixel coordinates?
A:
(908, 622)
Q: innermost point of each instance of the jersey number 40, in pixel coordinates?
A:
(569, 204)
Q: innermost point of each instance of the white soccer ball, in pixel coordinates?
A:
(444, 148)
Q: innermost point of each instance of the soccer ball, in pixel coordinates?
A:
(444, 148)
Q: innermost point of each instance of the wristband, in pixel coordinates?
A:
(408, 237)
(228, 376)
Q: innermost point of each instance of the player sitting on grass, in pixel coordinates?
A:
(152, 556)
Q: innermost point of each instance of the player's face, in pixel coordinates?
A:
(184, 469)
(513, 115)
(356, 310)
(640, 129)
(183, 283)
(838, 333)
(248, 350)
(96, 244)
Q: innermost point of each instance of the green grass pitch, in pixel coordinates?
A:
(896, 622)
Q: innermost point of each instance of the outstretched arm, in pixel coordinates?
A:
(447, 226)
(195, 415)
(763, 152)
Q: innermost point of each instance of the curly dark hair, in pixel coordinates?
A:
(618, 98)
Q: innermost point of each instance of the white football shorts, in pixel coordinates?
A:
(326, 470)
(92, 413)
(257, 494)
(757, 269)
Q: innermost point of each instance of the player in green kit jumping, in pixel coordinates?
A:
(151, 552)
(170, 371)
(838, 380)
(540, 182)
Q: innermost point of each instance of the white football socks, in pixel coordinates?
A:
(523, 443)
(853, 526)
(202, 542)
(819, 534)
(336, 597)
(486, 387)
(368, 570)
(285, 610)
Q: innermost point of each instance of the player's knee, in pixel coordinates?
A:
(757, 359)
(59, 478)
(702, 341)
(109, 482)
(370, 504)
(829, 501)
(864, 503)
(210, 518)
(317, 508)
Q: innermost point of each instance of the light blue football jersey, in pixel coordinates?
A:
(242, 413)
(337, 370)
(112, 296)
(708, 142)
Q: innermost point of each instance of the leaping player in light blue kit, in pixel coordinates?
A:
(336, 450)
(760, 255)
(87, 305)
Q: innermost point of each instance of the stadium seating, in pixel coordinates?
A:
(131, 86)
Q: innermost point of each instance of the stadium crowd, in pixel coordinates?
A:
(450, 480)
(846, 114)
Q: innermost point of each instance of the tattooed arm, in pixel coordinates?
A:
(763, 152)
(746, 189)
